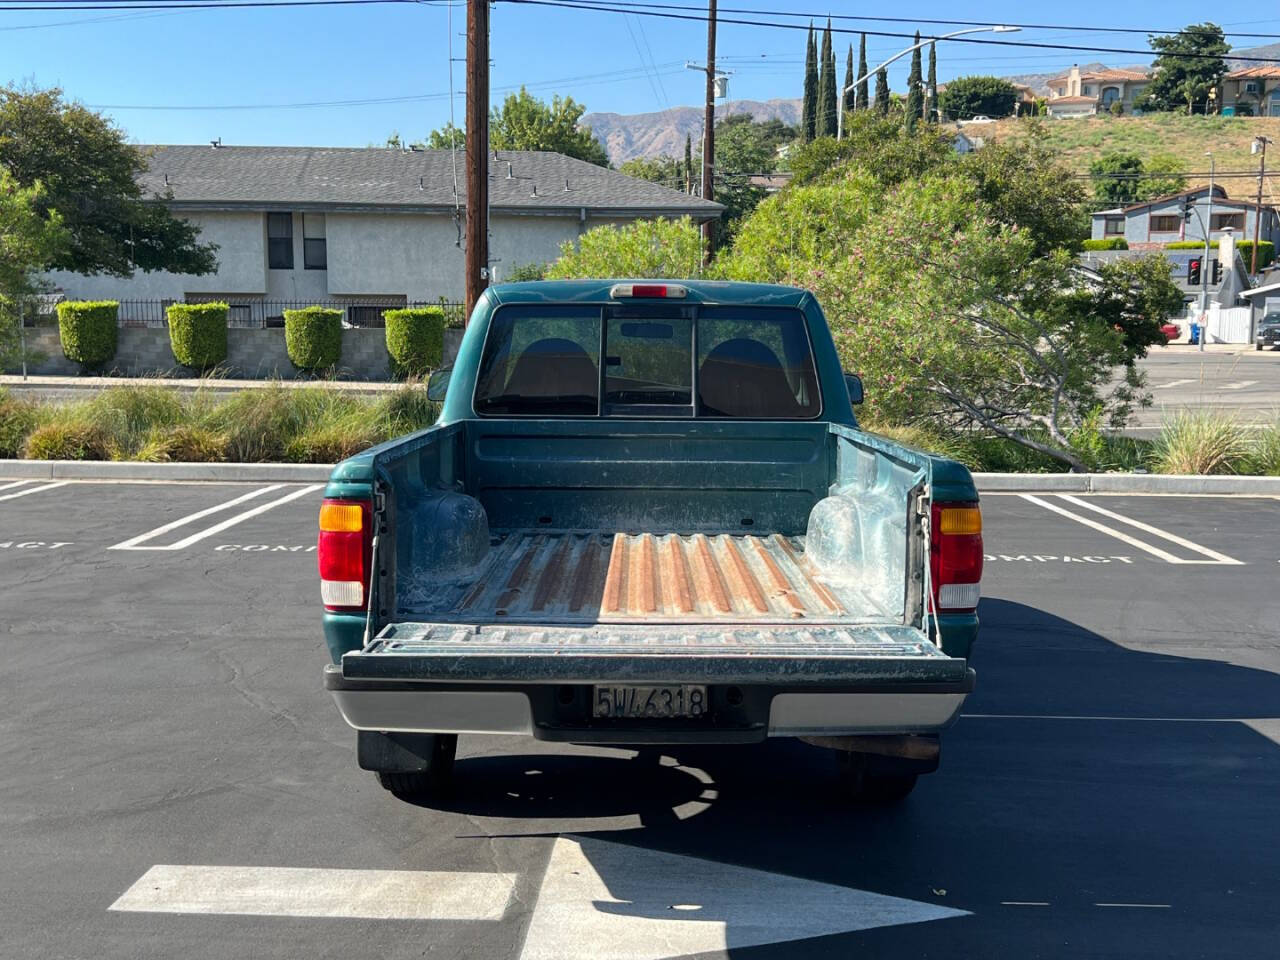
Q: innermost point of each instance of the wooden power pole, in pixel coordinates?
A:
(1261, 143)
(709, 133)
(477, 246)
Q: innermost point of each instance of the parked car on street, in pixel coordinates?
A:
(647, 515)
(1268, 334)
(1171, 332)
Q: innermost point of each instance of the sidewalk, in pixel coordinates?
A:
(14, 381)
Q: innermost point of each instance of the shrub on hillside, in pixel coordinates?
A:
(415, 339)
(313, 337)
(87, 329)
(198, 334)
(1107, 243)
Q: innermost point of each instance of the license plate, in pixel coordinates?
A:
(686, 700)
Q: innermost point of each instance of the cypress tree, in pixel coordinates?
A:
(882, 92)
(688, 163)
(827, 87)
(932, 103)
(864, 100)
(809, 108)
(915, 101)
(849, 93)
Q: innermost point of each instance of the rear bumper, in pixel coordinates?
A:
(741, 711)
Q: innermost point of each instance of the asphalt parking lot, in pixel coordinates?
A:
(1111, 790)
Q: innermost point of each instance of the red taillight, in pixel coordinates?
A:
(956, 555)
(344, 552)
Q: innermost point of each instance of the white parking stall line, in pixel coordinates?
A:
(135, 543)
(1239, 385)
(14, 483)
(1102, 528)
(132, 543)
(39, 489)
(1213, 555)
(314, 892)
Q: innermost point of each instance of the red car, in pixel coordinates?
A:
(1171, 332)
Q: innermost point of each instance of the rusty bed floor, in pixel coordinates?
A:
(591, 577)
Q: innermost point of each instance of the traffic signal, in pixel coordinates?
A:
(1187, 207)
(1217, 272)
(1193, 272)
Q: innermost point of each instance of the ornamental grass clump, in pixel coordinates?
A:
(1201, 442)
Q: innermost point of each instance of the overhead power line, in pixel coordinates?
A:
(667, 14)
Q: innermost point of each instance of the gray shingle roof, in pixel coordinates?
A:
(521, 181)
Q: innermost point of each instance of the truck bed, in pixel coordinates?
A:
(572, 577)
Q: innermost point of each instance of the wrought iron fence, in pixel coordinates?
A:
(261, 314)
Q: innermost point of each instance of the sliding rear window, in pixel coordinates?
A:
(659, 360)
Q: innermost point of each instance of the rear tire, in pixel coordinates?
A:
(429, 784)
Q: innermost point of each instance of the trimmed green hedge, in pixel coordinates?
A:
(87, 329)
(1107, 243)
(1266, 250)
(198, 333)
(313, 337)
(415, 339)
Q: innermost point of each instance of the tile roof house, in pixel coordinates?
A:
(328, 223)
(1253, 91)
(1077, 94)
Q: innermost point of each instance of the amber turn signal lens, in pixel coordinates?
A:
(961, 520)
(342, 518)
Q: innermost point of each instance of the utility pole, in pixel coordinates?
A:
(709, 133)
(1204, 265)
(477, 248)
(1259, 146)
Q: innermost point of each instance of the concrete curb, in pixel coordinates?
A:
(1138, 483)
(112, 470)
(1142, 483)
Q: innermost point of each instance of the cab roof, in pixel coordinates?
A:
(598, 291)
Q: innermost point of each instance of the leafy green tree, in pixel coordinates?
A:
(932, 87)
(915, 101)
(89, 175)
(1117, 178)
(864, 102)
(447, 137)
(809, 105)
(1025, 187)
(1188, 65)
(642, 248)
(882, 92)
(29, 239)
(876, 145)
(1165, 175)
(968, 97)
(745, 146)
(664, 170)
(523, 122)
(827, 93)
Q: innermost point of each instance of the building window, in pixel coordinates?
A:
(1062, 91)
(315, 255)
(1166, 224)
(1113, 226)
(1251, 86)
(1087, 91)
(1228, 221)
(280, 241)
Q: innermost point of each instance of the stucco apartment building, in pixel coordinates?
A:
(1077, 94)
(1252, 91)
(383, 225)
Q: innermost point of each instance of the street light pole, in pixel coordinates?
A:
(898, 56)
(1204, 265)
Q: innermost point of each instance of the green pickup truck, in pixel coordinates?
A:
(647, 516)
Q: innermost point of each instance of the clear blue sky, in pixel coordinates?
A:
(627, 64)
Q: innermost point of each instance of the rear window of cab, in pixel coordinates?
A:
(659, 360)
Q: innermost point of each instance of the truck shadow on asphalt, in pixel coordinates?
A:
(1175, 809)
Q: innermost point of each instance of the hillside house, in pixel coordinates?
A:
(1077, 94)
(1152, 224)
(1253, 91)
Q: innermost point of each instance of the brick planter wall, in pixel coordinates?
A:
(251, 354)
